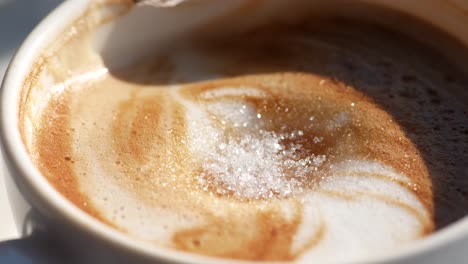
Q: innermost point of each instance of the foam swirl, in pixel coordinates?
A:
(177, 157)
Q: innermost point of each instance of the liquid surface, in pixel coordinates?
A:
(287, 144)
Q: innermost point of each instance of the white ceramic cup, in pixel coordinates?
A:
(93, 241)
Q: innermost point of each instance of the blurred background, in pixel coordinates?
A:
(17, 19)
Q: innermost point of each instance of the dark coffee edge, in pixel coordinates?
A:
(424, 37)
(429, 41)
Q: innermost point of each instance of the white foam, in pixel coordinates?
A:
(362, 225)
(358, 227)
(200, 125)
(355, 167)
(125, 210)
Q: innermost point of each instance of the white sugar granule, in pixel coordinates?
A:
(258, 165)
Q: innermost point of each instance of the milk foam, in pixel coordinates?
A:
(230, 141)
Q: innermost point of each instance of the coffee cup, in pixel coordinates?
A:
(127, 38)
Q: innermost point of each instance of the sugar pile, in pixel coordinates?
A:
(259, 165)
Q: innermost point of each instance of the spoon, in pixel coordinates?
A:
(160, 3)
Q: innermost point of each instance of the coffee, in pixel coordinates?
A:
(291, 142)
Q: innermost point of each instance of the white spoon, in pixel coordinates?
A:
(160, 3)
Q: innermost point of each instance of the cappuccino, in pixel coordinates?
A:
(289, 142)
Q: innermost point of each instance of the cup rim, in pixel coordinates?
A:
(48, 197)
